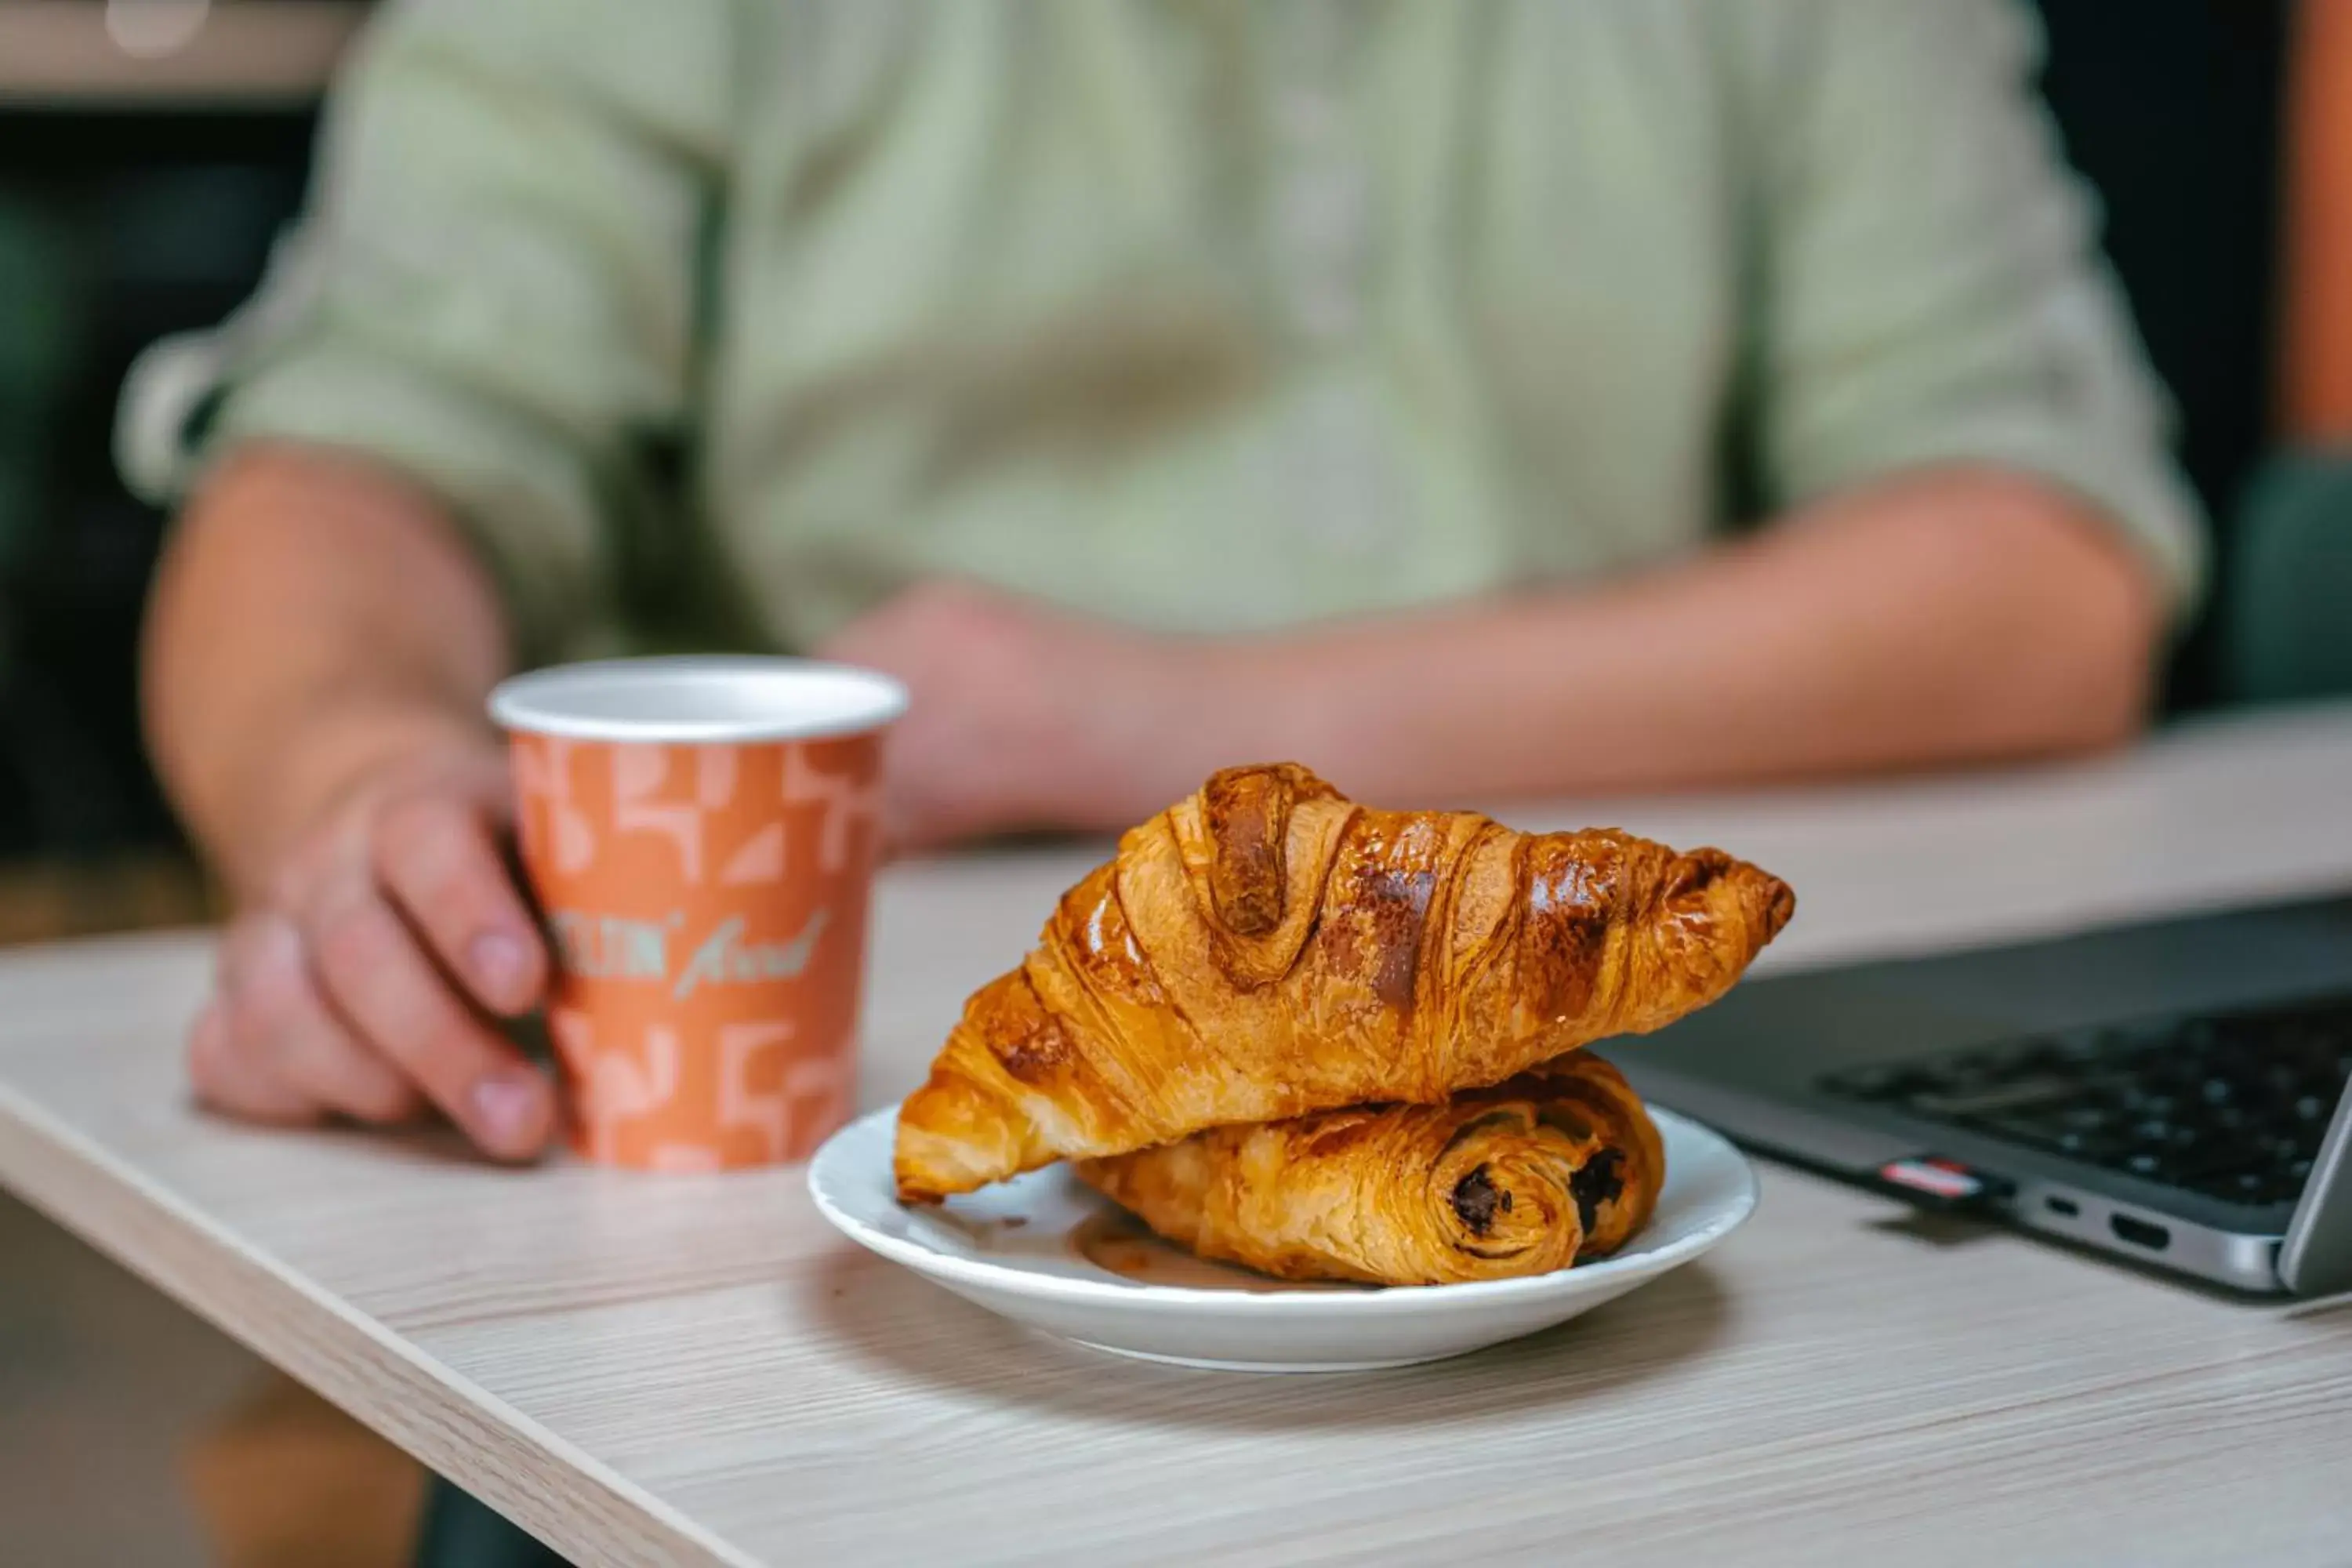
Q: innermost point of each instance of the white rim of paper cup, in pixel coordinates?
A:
(694, 697)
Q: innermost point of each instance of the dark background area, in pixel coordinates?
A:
(2172, 110)
(144, 223)
(130, 224)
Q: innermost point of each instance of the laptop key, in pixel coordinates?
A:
(1992, 1099)
(2282, 1078)
(2250, 1185)
(1887, 1082)
(2209, 1160)
(2033, 1132)
(2236, 1187)
(2098, 1148)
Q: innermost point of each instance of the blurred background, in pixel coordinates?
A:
(150, 152)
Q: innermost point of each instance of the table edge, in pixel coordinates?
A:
(446, 1421)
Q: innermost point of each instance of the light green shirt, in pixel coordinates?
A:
(1200, 315)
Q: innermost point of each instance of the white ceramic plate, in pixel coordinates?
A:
(1045, 1251)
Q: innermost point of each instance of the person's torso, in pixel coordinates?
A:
(1216, 316)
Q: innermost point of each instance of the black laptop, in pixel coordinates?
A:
(2172, 1091)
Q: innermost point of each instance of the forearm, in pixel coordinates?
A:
(315, 617)
(1940, 619)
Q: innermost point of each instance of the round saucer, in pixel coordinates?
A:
(1046, 1251)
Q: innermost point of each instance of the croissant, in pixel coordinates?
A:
(1265, 949)
(1559, 1164)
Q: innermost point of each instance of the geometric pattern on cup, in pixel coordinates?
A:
(638, 771)
(543, 771)
(614, 1087)
(760, 860)
(767, 1114)
(848, 802)
(818, 1088)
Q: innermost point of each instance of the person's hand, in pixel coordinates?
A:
(357, 986)
(1023, 717)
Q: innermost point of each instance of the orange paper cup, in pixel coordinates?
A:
(700, 835)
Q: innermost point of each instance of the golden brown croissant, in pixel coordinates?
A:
(1267, 948)
(1557, 1164)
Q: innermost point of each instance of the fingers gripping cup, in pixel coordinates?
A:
(700, 835)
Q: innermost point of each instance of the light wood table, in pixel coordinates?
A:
(692, 1369)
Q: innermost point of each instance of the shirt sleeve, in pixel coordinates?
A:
(491, 290)
(1930, 285)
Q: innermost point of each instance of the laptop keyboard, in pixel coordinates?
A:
(2231, 1105)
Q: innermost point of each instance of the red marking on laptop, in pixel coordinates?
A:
(1946, 1179)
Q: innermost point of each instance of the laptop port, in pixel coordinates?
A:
(2066, 1207)
(2139, 1232)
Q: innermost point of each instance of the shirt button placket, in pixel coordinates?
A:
(1319, 225)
